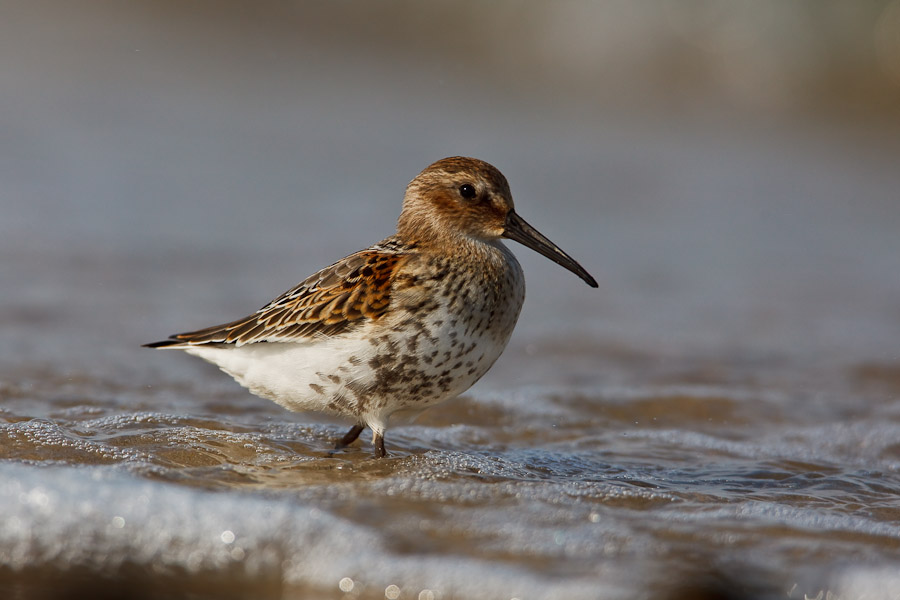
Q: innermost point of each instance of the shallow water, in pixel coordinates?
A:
(719, 420)
(558, 491)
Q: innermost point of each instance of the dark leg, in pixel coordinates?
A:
(349, 437)
(378, 440)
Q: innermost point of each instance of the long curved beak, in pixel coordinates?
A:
(517, 229)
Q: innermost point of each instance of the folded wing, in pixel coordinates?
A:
(331, 302)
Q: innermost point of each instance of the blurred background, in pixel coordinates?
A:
(728, 171)
(709, 162)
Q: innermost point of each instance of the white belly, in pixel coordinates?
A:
(438, 338)
(368, 374)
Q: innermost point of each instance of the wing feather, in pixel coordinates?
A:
(331, 302)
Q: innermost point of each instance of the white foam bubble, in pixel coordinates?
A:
(164, 528)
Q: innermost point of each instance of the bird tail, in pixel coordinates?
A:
(166, 344)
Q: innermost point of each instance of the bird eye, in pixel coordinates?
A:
(467, 191)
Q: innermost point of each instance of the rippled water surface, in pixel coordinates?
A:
(519, 491)
(721, 419)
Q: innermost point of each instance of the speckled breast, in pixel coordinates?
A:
(449, 321)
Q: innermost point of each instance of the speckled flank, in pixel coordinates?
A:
(409, 322)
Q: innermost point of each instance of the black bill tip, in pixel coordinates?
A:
(519, 230)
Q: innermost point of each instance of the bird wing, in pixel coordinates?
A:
(338, 297)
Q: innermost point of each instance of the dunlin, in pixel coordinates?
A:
(414, 320)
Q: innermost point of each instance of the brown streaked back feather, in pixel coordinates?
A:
(332, 301)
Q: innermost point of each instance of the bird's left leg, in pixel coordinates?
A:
(350, 436)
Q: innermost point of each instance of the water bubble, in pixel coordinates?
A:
(346, 584)
(392, 592)
(36, 497)
(118, 522)
(227, 536)
(427, 595)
